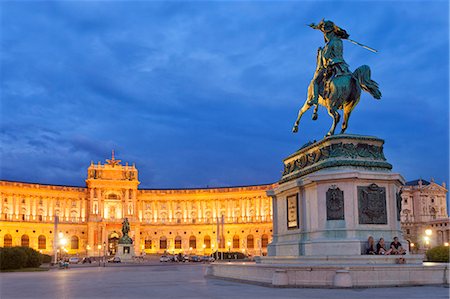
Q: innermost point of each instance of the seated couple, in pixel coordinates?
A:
(380, 248)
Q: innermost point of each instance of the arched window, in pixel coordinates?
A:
(208, 217)
(192, 242)
(73, 216)
(264, 241)
(178, 242)
(148, 244)
(42, 242)
(236, 242)
(163, 243)
(74, 242)
(7, 240)
(163, 217)
(178, 216)
(250, 242)
(40, 213)
(207, 241)
(25, 241)
(112, 196)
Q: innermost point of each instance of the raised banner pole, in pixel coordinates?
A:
(55, 240)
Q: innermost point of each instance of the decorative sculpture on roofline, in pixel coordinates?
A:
(333, 85)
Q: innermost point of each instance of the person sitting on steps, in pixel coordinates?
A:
(396, 247)
(381, 249)
(370, 246)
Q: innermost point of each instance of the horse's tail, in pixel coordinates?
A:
(362, 74)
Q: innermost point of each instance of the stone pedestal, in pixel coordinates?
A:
(125, 252)
(332, 196)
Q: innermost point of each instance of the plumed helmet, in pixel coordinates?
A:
(327, 26)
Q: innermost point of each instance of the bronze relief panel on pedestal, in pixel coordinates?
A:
(335, 203)
(372, 204)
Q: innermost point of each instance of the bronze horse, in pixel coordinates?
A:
(342, 93)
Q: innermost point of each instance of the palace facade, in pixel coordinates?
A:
(198, 221)
(424, 217)
(174, 220)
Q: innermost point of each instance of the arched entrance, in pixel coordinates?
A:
(113, 241)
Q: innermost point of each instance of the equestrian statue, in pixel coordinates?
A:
(334, 86)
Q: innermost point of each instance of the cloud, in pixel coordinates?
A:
(205, 93)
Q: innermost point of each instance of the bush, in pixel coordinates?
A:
(19, 257)
(46, 258)
(12, 258)
(34, 258)
(438, 254)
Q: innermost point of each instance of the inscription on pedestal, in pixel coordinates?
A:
(372, 205)
(399, 204)
(335, 204)
(292, 211)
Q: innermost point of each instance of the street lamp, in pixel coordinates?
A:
(229, 249)
(204, 246)
(427, 238)
(87, 250)
(104, 254)
(99, 247)
(62, 243)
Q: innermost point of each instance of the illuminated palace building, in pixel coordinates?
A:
(189, 220)
(90, 218)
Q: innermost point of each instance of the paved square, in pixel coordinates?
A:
(172, 281)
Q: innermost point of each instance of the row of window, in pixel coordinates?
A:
(207, 242)
(42, 241)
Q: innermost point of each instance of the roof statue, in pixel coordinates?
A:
(333, 85)
(113, 162)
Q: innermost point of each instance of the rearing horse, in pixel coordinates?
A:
(340, 91)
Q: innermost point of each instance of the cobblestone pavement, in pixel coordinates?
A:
(173, 281)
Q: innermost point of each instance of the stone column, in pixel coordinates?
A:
(214, 210)
(199, 211)
(13, 204)
(137, 239)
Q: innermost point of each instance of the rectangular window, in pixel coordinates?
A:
(163, 244)
(177, 243)
(41, 243)
(148, 244)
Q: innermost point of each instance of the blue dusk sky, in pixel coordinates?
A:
(205, 93)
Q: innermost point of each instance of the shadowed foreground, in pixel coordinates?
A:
(172, 281)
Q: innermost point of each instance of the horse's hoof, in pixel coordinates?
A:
(294, 129)
(314, 117)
